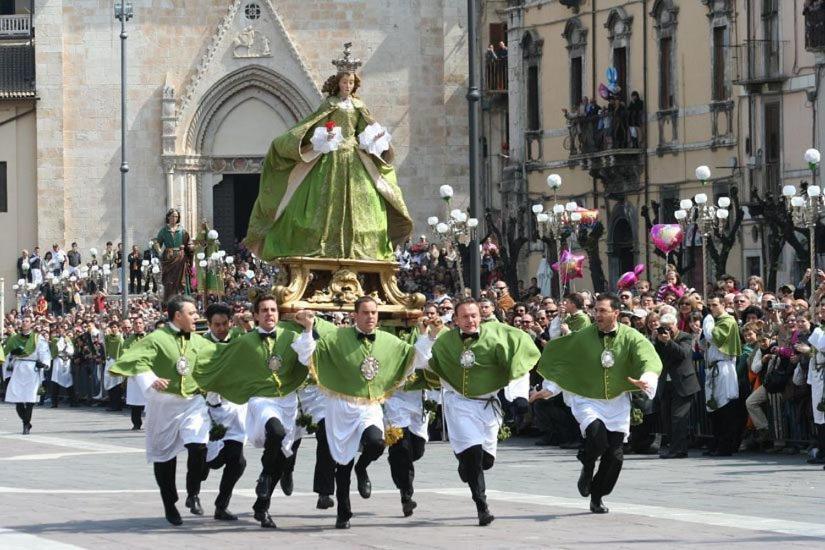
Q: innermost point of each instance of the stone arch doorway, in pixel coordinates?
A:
(233, 199)
(230, 131)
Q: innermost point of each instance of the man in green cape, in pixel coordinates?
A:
(228, 433)
(176, 417)
(113, 346)
(595, 368)
(721, 333)
(27, 356)
(135, 399)
(311, 413)
(474, 361)
(358, 368)
(404, 410)
(265, 368)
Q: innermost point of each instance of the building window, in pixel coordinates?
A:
(670, 204)
(576, 37)
(618, 27)
(576, 76)
(665, 73)
(533, 118)
(4, 189)
(720, 92)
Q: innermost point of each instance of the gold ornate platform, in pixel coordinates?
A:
(327, 284)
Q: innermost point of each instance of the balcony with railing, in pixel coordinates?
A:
(607, 143)
(761, 62)
(495, 74)
(15, 26)
(815, 25)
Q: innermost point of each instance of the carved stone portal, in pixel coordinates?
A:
(327, 284)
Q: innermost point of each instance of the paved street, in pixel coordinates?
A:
(80, 481)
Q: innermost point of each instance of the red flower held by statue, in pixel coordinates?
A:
(329, 125)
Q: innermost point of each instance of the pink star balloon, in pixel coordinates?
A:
(571, 266)
(629, 279)
(666, 236)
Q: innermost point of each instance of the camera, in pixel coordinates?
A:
(779, 306)
(662, 330)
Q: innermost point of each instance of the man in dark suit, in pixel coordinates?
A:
(151, 278)
(681, 383)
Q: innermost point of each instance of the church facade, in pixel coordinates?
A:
(209, 85)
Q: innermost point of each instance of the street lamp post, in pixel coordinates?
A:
(805, 212)
(123, 13)
(473, 98)
(555, 221)
(706, 217)
(459, 227)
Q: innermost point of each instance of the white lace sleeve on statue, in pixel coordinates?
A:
(369, 139)
(520, 387)
(304, 346)
(324, 141)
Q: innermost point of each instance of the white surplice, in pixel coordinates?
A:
(724, 384)
(62, 363)
(815, 375)
(26, 378)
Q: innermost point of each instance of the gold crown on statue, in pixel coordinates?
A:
(347, 64)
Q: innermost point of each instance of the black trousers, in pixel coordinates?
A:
(137, 416)
(472, 463)
(135, 282)
(55, 394)
(555, 421)
(676, 411)
(116, 398)
(273, 462)
(401, 457)
(372, 447)
(723, 425)
(603, 446)
(165, 474)
(289, 463)
(324, 480)
(24, 411)
(233, 462)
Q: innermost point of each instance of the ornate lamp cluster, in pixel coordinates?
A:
(556, 220)
(459, 227)
(805, 210)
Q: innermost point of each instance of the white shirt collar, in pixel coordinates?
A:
(174, 327)
(361, 331)
(262, 331)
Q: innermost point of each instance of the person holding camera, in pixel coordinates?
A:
(675, 349)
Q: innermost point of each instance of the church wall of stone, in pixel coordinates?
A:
(414, 73)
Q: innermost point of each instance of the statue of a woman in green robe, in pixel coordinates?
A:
(327, 187)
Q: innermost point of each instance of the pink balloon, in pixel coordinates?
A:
(571, 266)
(629, 279)
(667, 236)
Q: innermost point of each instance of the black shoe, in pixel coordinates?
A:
(485, 518)
(597, 506)
(27, 428)
(194, 505)
(172, 514)
(264, 487)
(709, 453)
(135, 428)
(286, 483)
(266, 520)
(342, 524)
(223, 514)
(324, 502)
(407, 506)
(817, 460)
(364, 484)
(585, 479)
(674, 455)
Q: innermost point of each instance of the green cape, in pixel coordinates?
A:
(578, 321)
(336, 365)
(240, 371)
(574, 362)
(19, 342)
(114, 346)
(354, 217)
(726, 335)
(502, 354)
(159, 352)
